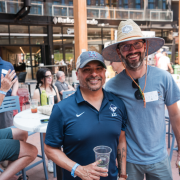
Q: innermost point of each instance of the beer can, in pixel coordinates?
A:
(51, 100)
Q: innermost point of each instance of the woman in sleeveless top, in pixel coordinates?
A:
(45, 82)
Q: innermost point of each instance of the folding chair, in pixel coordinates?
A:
(12, 103)
(169, 133)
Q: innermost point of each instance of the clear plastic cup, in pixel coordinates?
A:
(34, 105)
(102, 153)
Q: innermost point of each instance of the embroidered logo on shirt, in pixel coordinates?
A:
(77, 115)
(113, 109)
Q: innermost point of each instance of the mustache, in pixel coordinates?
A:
(93, 78)
(130, 54)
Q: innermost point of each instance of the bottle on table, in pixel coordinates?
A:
(43, 98)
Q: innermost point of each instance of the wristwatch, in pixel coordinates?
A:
(124, 176)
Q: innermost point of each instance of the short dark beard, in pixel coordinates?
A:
(128, 65)
(88, 79)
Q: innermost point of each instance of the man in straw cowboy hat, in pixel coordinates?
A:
(145, 91)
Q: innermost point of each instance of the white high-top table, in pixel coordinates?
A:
(28, 121)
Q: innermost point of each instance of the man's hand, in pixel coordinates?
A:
(121, 178)
(91, 172)
(6, 82)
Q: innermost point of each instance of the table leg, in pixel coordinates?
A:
(43, 155)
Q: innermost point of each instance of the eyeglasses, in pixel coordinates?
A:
(49, 76)
(127, 47)
(137, 94)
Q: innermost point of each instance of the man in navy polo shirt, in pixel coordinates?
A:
(6, 118)
(88, 118)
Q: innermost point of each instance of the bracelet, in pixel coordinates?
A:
(73, 170)
(2, 92)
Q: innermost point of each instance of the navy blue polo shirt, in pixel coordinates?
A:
(79, 127)
(4, 67)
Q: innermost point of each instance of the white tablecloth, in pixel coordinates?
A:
(28, 121)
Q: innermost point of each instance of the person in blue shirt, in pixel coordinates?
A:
(145, 91)
(13, 146)
(6, 118)
(88, 118)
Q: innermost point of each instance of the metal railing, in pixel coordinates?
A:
(64, 11)
(161, 15)
(50, 9)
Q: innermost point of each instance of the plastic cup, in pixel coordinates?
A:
(102, 153)
(34, 105)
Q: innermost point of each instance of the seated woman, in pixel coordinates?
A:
(45, 82)
(13, 140)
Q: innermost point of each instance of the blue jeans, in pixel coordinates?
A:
(157, 171)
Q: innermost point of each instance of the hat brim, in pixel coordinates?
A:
(109, 53)
(83, 64)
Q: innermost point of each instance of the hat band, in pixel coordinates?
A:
(129, 37)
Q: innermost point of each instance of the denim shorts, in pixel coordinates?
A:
(157, 171)
(10, 148)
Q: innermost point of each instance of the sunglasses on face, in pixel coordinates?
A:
(49, 76)
(137, 94)
(127, 47)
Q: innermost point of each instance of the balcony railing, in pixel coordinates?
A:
(50, 9)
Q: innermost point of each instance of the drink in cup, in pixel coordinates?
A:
(34, 105)
(102, 153)
(51, 100)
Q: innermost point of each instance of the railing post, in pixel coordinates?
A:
(52, 10)
(99, 14)
(42, 9)
(5, 6)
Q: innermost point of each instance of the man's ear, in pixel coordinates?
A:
(77, 75)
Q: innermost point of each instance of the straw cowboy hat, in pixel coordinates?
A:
(128, 31)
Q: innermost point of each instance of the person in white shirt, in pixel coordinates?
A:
(158, 56)
(164, 63)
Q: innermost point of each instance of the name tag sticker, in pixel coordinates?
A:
(151, 96)
(4, 71)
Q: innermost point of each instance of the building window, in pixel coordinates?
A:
(3, 28)
(68, 35)
(156, 4)
(125, 4)
(19, 29)
(38, 34)
(93, 2)
(151, 4)
(138, 4)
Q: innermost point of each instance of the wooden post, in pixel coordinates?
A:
(80, 26)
